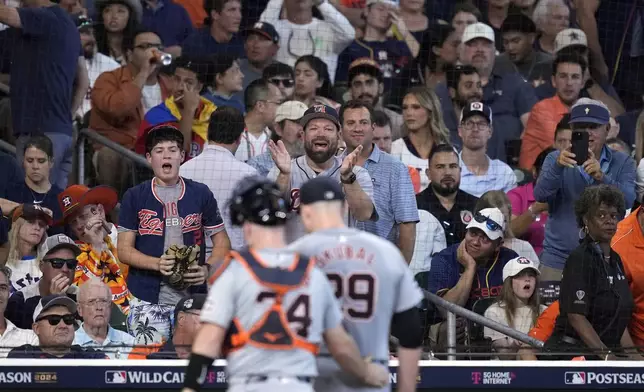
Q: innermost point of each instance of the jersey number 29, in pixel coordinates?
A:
(357, 291)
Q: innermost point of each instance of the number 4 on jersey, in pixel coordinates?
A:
(357, 291)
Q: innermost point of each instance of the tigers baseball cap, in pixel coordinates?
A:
(321, 188)
(478, 30)
(570, 37)
(320, 111)
(264, 29)
(32, 212)
(290, 110)
(476, 109)
(191, 302)
(55, 242)
(489, 220)
(589, 111)
(515, 266)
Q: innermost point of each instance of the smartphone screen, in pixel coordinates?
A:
(580, 146)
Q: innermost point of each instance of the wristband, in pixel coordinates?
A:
(197, 371)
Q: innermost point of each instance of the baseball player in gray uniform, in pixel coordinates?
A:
(269, 308)
(321, 138)
(376, 288)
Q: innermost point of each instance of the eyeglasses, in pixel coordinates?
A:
(58, 263)
(98, 302)
(54, 319)
(491, 225)
(471, 125)
(287, 83)
(148, 45)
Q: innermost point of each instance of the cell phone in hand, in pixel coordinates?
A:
(580, 146)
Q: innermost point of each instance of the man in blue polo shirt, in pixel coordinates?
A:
(509, 96)
(42, 76)
(393, 191)
(562, 180)
(473, 269)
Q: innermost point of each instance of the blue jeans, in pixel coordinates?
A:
(63, 156)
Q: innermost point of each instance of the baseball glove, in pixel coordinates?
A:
(185, 257)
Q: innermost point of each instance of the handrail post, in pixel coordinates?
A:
(451, 336)
(80, 155)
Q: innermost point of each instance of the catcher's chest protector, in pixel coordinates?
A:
(271, 332)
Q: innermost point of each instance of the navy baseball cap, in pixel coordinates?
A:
(82, 22)
(264, 29)
(191, 302)
(321, 188)
(589, 111)
(476, 109)
(320, 111)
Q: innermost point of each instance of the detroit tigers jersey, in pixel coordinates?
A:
(372, 281)
(310, 310)
(301, 172)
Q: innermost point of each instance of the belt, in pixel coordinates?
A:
(282, 379)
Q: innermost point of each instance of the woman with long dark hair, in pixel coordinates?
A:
(116, 19)
(312, 82)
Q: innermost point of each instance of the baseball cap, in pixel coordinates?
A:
(476, 108)
(364, 65)
(514, 267)
(55, 242)
(393, 3)
(570, 37)
(162, 130)
(82, 22)
(478, 30)
(49, 301)
(489, 220)
(290, 110)
(32, 212)
(518, 22)
(321, 188)
(191, 302)
(320, 111)
(264, 29)
(589, 111)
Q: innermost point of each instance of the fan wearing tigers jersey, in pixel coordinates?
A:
(268, 308)
(373, 283)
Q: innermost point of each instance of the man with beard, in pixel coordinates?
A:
(97, 63)
(288, 130)
(464, 84)
(366, 84)
(442, 198)
(321, 138)
(472, 269)
(393, 189)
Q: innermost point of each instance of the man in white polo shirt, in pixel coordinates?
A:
(10, 335)
(218, 168)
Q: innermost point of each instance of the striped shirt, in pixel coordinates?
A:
(393, 195)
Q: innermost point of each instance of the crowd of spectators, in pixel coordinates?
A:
(497, 143)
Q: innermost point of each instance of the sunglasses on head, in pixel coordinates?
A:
(491, 225)
(288, 83)
(58, 263)
(54, 319)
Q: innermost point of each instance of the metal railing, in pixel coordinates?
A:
(9, 148)
(453, 310)
(93, 136)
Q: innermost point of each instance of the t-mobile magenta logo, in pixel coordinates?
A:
(476, 377)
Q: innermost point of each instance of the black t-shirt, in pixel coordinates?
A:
(75, 352)
(596, 289)
(167, 351)
(21, 193)
(453, 221)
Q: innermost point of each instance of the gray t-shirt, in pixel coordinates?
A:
(169, 195)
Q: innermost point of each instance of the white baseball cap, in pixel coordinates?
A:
(290, 110)
(570, 37)
(515, 266)
(489, 220)
(478, 30)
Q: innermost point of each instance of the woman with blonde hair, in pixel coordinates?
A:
(498, 199)
(28, 231)
(517, 307)
(423, 124)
